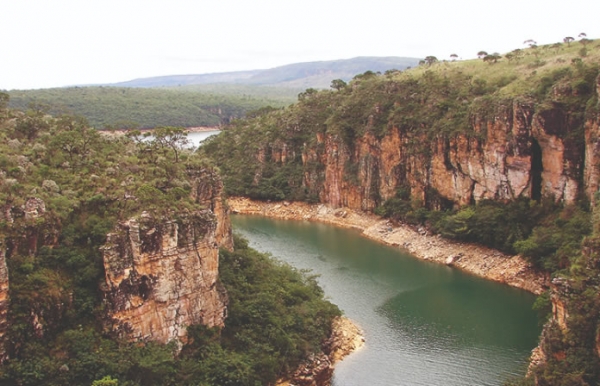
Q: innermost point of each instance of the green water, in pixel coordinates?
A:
(424, 323)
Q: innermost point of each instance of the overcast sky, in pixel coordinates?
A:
(52, 43)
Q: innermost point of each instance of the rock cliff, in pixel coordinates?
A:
(162, 273)
(569, 348)
(501, 148)
(521, 150)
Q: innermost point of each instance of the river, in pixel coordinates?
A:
(424, 323)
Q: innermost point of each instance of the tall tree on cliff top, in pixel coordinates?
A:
(568, 40)
(429, 60)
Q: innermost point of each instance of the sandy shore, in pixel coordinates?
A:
(478, 260)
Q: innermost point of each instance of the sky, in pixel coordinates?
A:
(57, 43)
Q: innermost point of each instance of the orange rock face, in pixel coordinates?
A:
(161, 274)
(521, 150)
(161, 277)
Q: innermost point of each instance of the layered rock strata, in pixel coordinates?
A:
(507, 149)
(162, 273)
(161, 276)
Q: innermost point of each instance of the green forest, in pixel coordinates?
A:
(143, 108)
(87, 183)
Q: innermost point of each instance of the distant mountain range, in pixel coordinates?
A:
(297, 75)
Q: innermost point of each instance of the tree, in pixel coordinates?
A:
(338, 84)
(556, 47)
(75, 139)
(106, 381)
(453, 57)
(3, 100)
(584, 41)
(492, 58)
(174, 138)
(309, 92)
(568, 40)
(482, 54)
(530, 42)
(429, 60)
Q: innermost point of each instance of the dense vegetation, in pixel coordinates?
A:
(278, 155)
(125, 108)
(80, 184)
(277, 316)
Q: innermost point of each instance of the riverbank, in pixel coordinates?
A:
(346, 337)
(478, 260)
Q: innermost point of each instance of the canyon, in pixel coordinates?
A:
(437, 144)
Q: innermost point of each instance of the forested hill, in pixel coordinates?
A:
(296, 75)
(120, 107)
(195, 100)
(503, 151)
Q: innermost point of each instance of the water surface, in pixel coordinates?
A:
(424, 323)
(196, 137)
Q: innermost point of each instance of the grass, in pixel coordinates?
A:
(517, 77)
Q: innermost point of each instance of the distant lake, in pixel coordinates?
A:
(197, 137)
(194, 138)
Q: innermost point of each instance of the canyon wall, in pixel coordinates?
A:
(569, 347)
(162, 273)
(517, 153)
(508, 148)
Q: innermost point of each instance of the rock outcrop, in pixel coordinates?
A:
(161, 276)
(519, 152)
(508, 148)
(346, 337)
(570, 341)
(25, 241)
(162, 273)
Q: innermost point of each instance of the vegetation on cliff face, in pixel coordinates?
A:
(336, 143)
(63, 187)
(570, 340)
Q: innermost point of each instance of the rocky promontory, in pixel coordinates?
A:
(346, 337)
